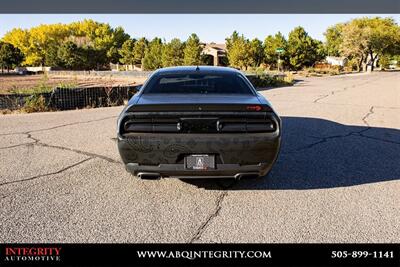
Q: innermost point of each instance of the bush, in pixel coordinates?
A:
(318, 71)
(265, 80)
(334, 71)
(35, 103)
(384, 62)
(309, 70)
(41, 87)
(352, 64)
(289, 78)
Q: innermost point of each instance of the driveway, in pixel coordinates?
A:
(337, 178)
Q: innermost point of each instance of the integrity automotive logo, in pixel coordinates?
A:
(32, 254)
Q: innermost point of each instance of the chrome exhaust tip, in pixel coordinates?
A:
(239, 176)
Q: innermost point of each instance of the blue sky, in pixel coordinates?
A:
(208, 27)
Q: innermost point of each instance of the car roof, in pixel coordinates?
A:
(197, 69)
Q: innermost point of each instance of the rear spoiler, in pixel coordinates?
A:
(200, 108)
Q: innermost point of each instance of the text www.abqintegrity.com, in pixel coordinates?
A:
(203, 254)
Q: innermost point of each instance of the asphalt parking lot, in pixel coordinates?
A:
(337, 178)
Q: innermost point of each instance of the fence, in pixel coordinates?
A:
(119, 67)
(103, 73)
(64, 99)
(73, 98)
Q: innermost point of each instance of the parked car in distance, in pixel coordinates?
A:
(198, 122)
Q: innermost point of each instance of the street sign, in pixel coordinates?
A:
(279, 50)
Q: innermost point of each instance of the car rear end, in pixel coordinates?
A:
(199, 135)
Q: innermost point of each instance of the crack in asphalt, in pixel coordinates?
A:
(58, 126)
(93, 155)
(321, 97)
(29, 136)
(218, 206)
(340, 91)
(332, 93)
(214, 214)
(46, 174)
(89, 154)
(322, 140)
(379, 139)
(39, 143)
(353, 133)
(370, 112)
(24, 144)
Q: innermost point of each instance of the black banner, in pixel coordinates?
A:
(204, 6)
(200, 254)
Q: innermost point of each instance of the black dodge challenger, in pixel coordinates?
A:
(198, 122)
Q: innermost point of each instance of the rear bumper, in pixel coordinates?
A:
(163, 154)
(179, 171)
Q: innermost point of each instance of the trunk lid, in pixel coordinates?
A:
(197, 102)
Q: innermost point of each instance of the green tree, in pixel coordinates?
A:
(271, 44)
(92, 58)
(192, 51)
(51, 57)
(39, 44)
(256, 52)
(139, 49)
(20, 39)
(173, 54)
(384, 38)
(333, 36)
(152, 59)
(230, 40)
(119, 37)
(10, 56)
(99, 36)
(42, 38)
(366, 39)
(354, 43)
(127, 52)
(239, 51)
(303, 50)
(71, 56)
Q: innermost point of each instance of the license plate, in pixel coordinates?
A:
(200, 162)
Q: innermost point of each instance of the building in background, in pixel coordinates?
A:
(336, 61)
(217, 52)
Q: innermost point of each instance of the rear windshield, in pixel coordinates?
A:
(198, 84)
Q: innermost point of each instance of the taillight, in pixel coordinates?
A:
(254, 108)
(246, 127)
(150, 125)
(241, 122)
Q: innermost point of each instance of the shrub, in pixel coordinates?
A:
(41, 87)
(63, 85)
(309, 70)
(35, 103)
(320, 70)
(334, 71)
(289, 78)
(265, 80)
(384, 62)
(352, 64)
